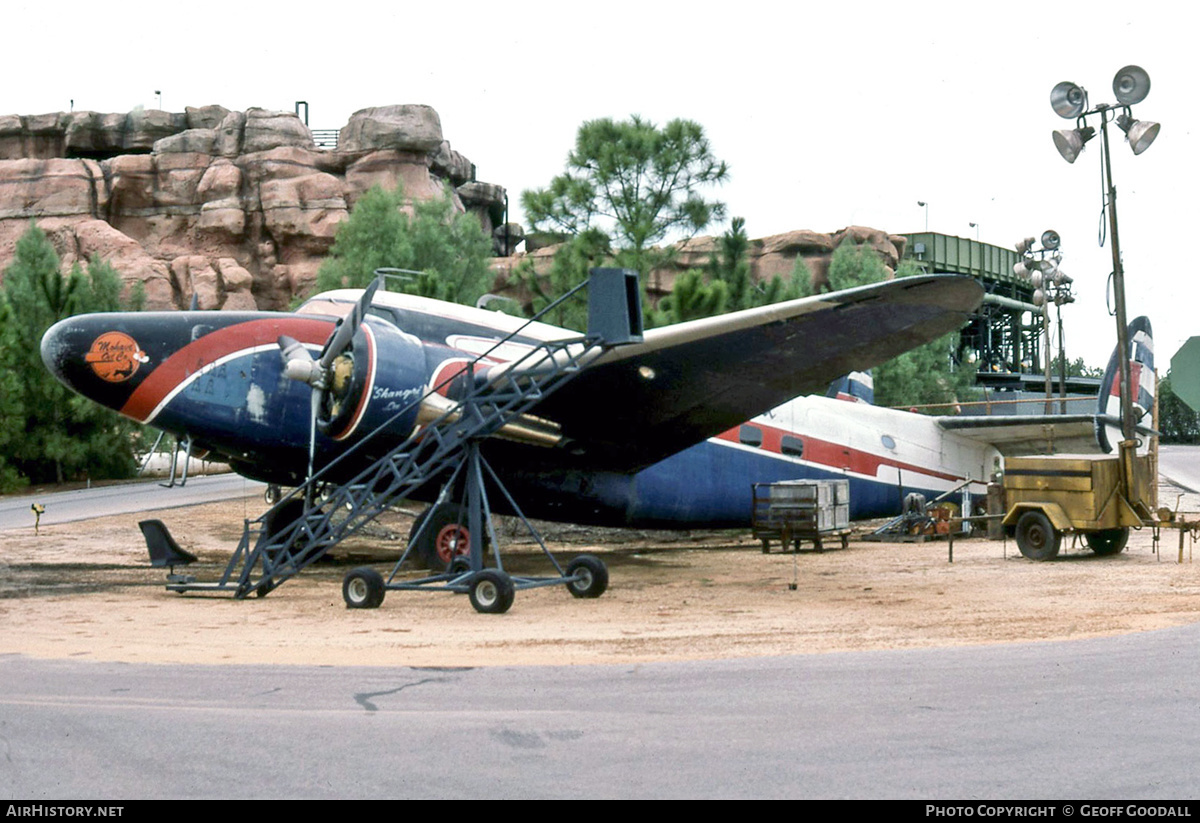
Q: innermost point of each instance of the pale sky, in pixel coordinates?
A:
(828, 115)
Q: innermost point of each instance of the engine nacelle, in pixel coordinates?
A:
(377, 382)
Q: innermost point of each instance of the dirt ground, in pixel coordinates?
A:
(84, 590)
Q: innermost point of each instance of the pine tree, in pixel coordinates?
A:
(52, 434)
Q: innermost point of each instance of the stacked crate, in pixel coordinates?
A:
(796, 510)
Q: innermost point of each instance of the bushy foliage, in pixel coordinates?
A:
(448, 248)
(50, 433)
(1177, 421)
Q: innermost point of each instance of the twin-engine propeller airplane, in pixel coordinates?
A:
(393, 399)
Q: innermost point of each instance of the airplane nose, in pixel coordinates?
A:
(96, 355)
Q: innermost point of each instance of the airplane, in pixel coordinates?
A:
(639, 437)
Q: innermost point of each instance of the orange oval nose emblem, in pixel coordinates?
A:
(115, 356)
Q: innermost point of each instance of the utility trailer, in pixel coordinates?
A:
(1049, 496)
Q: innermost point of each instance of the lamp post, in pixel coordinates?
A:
(925, 206)
(1130, 85)
(1051, 284)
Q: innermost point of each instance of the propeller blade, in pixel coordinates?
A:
(344, 333)
(314, 408)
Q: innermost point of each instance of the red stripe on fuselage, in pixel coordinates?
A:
(212, 347)
(833, 455)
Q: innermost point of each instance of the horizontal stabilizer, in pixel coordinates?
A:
(164, 551)
(1034, 434)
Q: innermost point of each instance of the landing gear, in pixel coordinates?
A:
(443, 536)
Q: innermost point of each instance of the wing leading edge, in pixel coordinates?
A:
(640, 403)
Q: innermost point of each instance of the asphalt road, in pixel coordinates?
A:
(122, 498)
(1112, 718)
(1180, 465)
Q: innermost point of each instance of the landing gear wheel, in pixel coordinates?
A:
(284, 516)
(1036, 537)
(593, 576)
(492, 592)
(459, 565)
(443, 538)
(362, 588)
(1107, 541)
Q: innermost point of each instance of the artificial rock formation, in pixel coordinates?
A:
(768, 256)
(238, 208)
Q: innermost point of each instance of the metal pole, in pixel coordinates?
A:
(1062, 364)
(1046, 353)
(1127, 426)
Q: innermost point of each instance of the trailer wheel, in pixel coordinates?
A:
(1036, 537)
(492, 592)
(1107, 541)
(362, 588)
(593, 576)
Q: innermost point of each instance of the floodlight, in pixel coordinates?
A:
(1039, 299)
(1068, 100)
(1070, 142)
(1139, 133)
(1050, 239)
(1131, 85)
(1035, 279)
(1021, 270)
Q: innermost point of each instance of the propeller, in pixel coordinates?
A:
(299, 364)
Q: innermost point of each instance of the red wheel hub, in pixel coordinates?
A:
(452, 541)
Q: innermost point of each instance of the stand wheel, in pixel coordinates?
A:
(492, 592)
(362, 588)
(592, 580)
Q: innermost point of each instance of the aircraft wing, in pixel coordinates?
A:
(640, 403)
(1029, 434)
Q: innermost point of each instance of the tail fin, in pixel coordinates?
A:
(1142, 379)
(857, 387)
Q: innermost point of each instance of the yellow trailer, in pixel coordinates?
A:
(1051, 495)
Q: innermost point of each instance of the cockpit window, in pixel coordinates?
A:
(325, 307)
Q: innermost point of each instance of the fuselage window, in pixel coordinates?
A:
(792, 446)
(750, 435)
(888, 442)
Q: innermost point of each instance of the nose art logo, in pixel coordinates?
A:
(115, 356)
